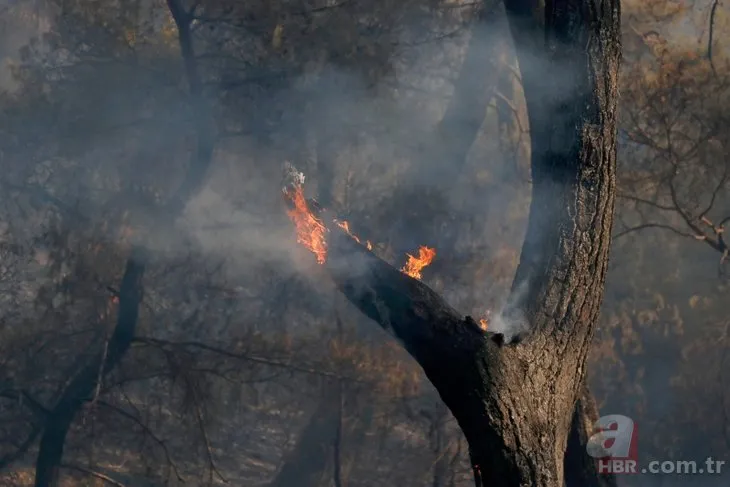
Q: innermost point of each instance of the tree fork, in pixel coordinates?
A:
(515, 403)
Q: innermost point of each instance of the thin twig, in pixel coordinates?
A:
(204, 433)
(659, 226)
(241, 356)
(713, 11)
(643, 201)
(147, 431)
(93, 473)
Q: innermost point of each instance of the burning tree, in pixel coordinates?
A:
(516, 398)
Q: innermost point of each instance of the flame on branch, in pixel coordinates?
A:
(312, 232)
(415, 265)
(346, 227)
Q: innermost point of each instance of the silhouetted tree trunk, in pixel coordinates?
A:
(438, 437)
(306, 464)
(82, 386)
(510, 115)
(80, 389)
(515, 400)
(446, 153)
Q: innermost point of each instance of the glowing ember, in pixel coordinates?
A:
(415, 265)
(310, 229)
(346, 227)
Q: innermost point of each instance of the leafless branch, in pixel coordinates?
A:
(661, 226)
(23, 396)
(643, 201)
(508, 103)
(239, 356)
(713, 11)
(148, 432)
(93, 473)
(720, 184)
(197, 406)
(21, 449)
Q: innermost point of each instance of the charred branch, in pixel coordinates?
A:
(404, 307)
(462, 361)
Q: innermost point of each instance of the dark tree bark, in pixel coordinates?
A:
(515, 401)
(62, 415)
(512, 135)
(82, 386)
(306, 464)
(320, 444)
(204, 126)
(580, 469)
(474, 87)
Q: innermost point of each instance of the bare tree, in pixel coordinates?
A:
(81, 388)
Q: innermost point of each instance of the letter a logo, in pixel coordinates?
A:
(615, 437)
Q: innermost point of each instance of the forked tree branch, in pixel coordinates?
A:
(514, 404)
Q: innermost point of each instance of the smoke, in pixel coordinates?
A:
(510, 319)
(380, 144)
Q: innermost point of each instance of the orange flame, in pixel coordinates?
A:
(311, 232)
(484, 322)
(346, 227)
(415, 265)
(310, 229)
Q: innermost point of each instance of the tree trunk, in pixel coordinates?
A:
(82, 386)
(61, 417)
(514, 400)
(307, 464)
(580, 469)
(511, 119)
(446, 153)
